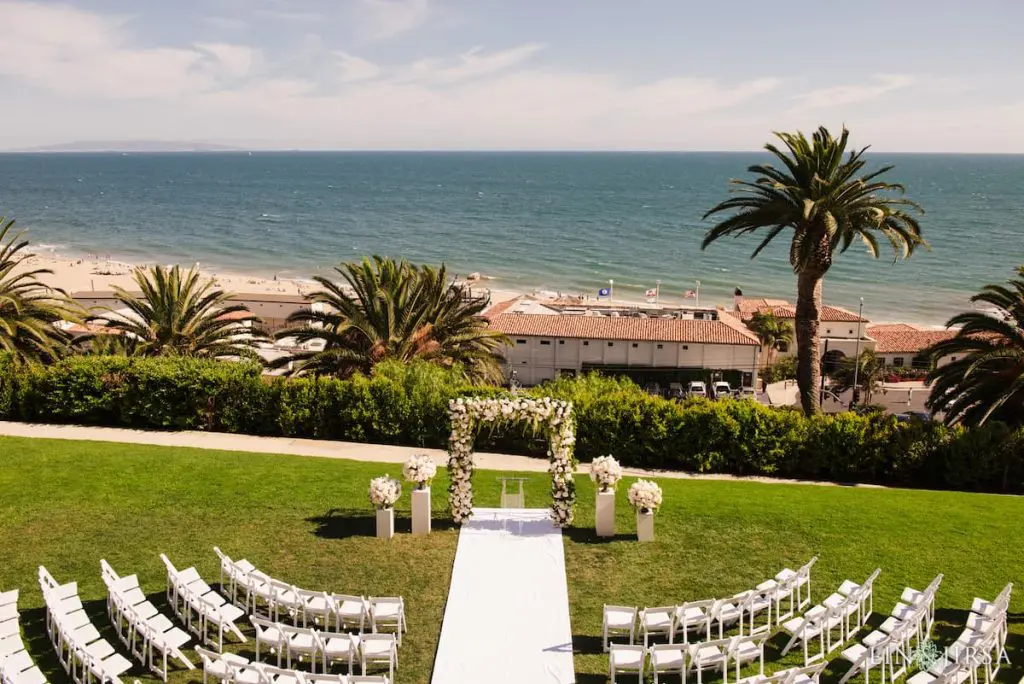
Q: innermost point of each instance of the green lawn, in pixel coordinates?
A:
(306, 520)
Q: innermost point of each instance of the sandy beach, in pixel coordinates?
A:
(74, 274)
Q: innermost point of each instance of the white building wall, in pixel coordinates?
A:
(535, 362)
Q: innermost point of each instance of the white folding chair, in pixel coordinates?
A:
(708, 655)
(660, 620)
(743, 650)
(350, 612)
(387, 613)
(301, 643)
(694, 616)
(337, 647)
(618, 621)
(270, 635)
(668, 659)
(378, 649)
(316, 607)
(626, 659)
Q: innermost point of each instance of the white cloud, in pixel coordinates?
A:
(380, 19)
(470, 64)
(880, 84)
(234, 60)
(356, 68)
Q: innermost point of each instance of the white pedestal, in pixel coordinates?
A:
(421, 511)
(385, 523)
(644, 526)
(605, 514)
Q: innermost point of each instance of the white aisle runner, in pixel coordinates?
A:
(507, 617)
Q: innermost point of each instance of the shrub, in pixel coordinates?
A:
(408, 404)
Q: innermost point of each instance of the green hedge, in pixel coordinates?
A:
(407, 404)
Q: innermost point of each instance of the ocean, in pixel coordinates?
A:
(562, 222)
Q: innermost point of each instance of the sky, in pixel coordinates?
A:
(903, 75)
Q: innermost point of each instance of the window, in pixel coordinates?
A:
(952, 359)
(635, 345)
(586, 343)
(851, 332)
(545, 343)
(686, 347)
(561, 341)
(828, 332)
(783, 347)
(661, 346)
(898, 361)
(611, 344)
(520, 341)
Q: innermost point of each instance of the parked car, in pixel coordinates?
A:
(676, 390)
(653, 389)
(746, 393)
(722, 389)
(697, 389)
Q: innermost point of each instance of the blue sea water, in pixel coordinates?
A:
(565, 222)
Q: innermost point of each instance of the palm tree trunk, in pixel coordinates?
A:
(808, 345)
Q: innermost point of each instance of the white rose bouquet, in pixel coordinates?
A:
(606, 472)
(384, 492)
(420, 469)
(645, 496)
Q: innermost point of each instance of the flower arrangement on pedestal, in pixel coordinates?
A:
(606, 472)
(551, 415)
(384, 492)
(645, 496)
(420, 469)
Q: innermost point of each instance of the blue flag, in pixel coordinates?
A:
(604, 292)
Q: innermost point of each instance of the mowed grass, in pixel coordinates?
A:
(67, 504)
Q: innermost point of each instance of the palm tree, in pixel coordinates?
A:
(826, 204)
(29, 309)
(986, 381)
(181, 314)
(385, 309)
(774, 333)
(870, 374)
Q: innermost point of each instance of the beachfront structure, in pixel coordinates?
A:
(840, 329)
(272, 309)
(649, 344)
(902, 345)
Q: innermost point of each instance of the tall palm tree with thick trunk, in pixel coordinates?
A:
(28, 308)
(180, 313)
(825, 204)
(384, 309)
(986, 381)
(773, 332)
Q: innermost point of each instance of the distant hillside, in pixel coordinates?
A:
(130, 146)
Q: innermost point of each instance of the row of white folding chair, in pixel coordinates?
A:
(140, 626)
(983, 640)
(248, 587)
(16, 665)
(917, 608)
(230, 668)
(82, 652)
(304, 643)
(834, 613)
(683, 659)
(199, 606)
(808, 674)
(889, 650)
(748, 609)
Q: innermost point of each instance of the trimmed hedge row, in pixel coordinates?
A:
(408, 404)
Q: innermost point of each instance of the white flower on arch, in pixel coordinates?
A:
(552, 415)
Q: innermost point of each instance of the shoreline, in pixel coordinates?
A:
(73, 273)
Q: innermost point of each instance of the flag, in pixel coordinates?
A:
(690, 294)
(604, 292)
(651, 293)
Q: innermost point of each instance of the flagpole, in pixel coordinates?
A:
(657, 292)
(611, 290)
(697, 295)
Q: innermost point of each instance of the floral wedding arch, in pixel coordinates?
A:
(552, 416)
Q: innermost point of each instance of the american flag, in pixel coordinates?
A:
(690, 294)
(651, 293)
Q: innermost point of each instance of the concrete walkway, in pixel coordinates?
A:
(354, 451)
